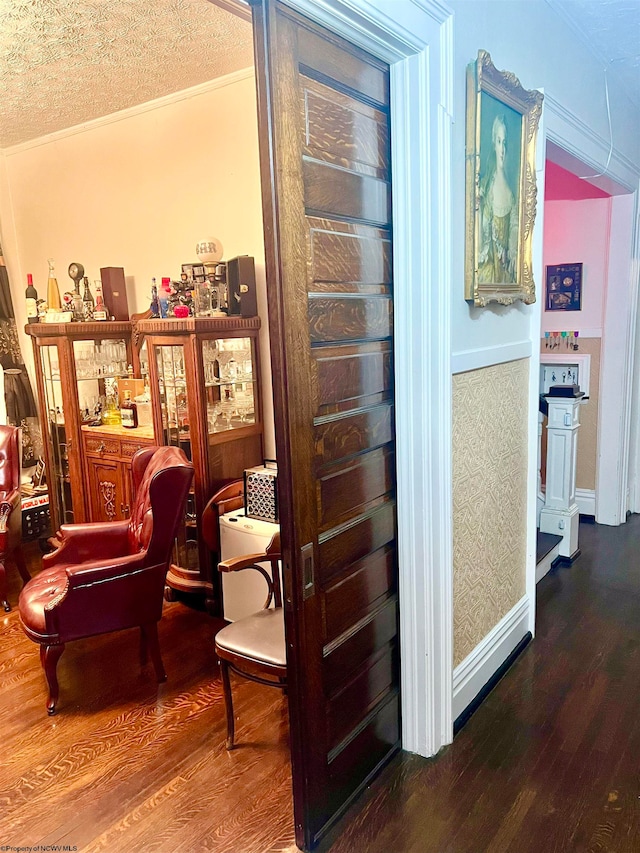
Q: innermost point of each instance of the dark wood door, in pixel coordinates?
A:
(325, 150)
(107, 489)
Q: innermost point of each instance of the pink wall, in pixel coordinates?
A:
(561, 184)
(578, 231)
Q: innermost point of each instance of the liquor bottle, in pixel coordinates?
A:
(128, 411)
(155, 302)
(53, 293)
(78, 309)
(111, 415)
(88, 303)
(31, 299)
(165, 292)
(100, 311)
(203, 300)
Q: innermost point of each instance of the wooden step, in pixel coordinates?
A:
(547, 551)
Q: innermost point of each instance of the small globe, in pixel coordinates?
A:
(209, 251)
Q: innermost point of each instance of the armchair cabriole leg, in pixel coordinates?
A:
(228, 702)
(3, 588)
(18, 559)
(49, 656)
(150, 634)
(144, 651)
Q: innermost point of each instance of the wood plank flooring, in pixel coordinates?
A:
(550, 763)
(127, 765)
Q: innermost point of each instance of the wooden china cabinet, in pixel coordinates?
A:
(203, 378)
(77, 367)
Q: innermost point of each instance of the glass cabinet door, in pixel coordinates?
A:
(174, 405)
(99, 364)
(229, 377)
(55, 435)
(174, 402)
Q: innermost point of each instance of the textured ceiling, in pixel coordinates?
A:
(64, 62)
(611, 28)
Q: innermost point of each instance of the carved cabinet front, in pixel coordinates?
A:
(108, 452)
(107, 490)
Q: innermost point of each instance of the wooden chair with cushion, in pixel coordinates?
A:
(10, 508)
(108, 576)
(254, 647)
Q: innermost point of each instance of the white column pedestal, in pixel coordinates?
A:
(560, 514)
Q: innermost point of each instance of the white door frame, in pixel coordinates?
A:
(617, 466)
(417, 42)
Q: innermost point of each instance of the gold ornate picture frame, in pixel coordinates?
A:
(502, 123)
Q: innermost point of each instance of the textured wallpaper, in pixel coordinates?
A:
(489, 498)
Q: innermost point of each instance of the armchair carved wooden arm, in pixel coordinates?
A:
(108, 576)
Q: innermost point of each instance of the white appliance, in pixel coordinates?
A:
(243, 592)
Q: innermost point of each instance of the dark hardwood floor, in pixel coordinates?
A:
(127, 765)
(550, 763)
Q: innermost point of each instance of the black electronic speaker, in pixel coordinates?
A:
(241, 286)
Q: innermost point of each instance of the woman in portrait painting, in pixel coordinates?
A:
(498, 215)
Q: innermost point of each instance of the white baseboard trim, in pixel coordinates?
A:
(476, 669)
(545, 564)
(586, 500)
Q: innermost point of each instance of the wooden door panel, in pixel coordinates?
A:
(355, 592)
(327, 206)
(344, 546)
(357, 257)
(343, 318)
(353, 433)
(325, 58)
(361, 695)
(346, 655)
(363, 755)
(345, 489)
(107, 489)
(331, 189)
(349, 375)
(343, 132)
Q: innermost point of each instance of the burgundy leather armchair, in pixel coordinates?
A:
(10, 508)
(108, 576)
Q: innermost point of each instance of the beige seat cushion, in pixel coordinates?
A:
(259, 637)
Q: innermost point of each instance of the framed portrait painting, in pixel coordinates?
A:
(564, 287)
(502, 124)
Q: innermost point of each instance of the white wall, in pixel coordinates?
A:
(617, 367)
(528, 39)
(139, 190)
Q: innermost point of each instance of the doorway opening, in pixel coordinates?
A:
(586, 332)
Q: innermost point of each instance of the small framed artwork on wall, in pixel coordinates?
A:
(564, 287)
